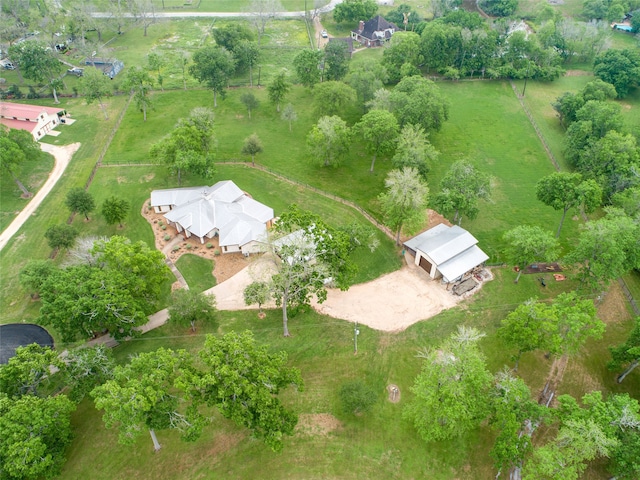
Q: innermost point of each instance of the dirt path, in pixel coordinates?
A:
(62, 156)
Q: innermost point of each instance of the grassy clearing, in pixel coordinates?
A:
(197, 271)
(377, 445)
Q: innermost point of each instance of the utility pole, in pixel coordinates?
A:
(356, 332)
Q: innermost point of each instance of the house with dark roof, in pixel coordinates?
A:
(110, 67)
(222, 210)
(374, 33)
(447, 252)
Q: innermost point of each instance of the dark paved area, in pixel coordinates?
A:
(16, 335)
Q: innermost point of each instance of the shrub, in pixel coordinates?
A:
(176, 248)
(357, 397)
(216, 252)
(167, 237)
(189, 246)
(209, 245)
(163, 227)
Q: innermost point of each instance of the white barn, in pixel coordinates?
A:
(447, 252)
(221, 210)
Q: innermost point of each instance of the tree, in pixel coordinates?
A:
(243, 379)
(626, 354)
(414, 150)
(404, 15)
(278, 89)
(289, 114)
(336, 60)
(257, 292)
(202, 118)
(34, 274)
(629, 201)
(355, 11)
(379, 128)
(461, 188)
(61, 235)
(247, 54)
(115, 210)
(78, 200)
(527, 244)
(86, 368)
(96, 86)
(252, 146)
(328, 140)
(231, 35)
(452, 389)
(499, 8)
(621, 68)
(148, 392)
(34, 434)
(261, 13)
(307, 68)
(16, 146)
(37, 63)
(405, 200)
(250, 101)
(560, 328)
(514, 414)
(144, 13)
(607, 248)
(403, 49)
(189, 306)
(27, 371)
(366, 79)
(182, 60)
(213, 66)
(331, 98)
(139, 83)
(418, 101)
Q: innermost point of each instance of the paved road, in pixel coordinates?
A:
(63, 156)
(327, 8)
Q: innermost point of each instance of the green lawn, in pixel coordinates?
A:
(377, 445)
(197, 271)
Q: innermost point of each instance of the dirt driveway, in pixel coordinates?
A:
(390, 303)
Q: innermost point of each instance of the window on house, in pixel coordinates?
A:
(224, 249)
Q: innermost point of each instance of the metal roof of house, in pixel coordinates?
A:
(463, 262)
(238, 218)
(22, 111)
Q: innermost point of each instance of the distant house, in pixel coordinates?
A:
(222, 210)
(109, 67)
(447, 252)
(37, 120)
(374, 33)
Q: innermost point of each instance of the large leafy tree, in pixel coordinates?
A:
(28, 370)
(261, 12)
(115, 210)
(414, 150)
(38, 63)
(148, 392)
(452, 389)
(189, 306)
(306, 64)
(247, 56)
(242, 380)
(365, 79)
(607, 248)
(61, 235)
(139, 83)
(96, 86)
(403, 49)
(213, 66)
(461, 188)
(621, 68)
(332, 98)
(379, 129)
(404, 201)
(34, 434)
(34, 273)
(231, 35)
(328, 141)
(336, 60)
(16, 146)
(564, 191)
(86, 368)
(418, 101)
(355, 11)
(499, 8)
(78, 200)
(527, 244)
(627, 354)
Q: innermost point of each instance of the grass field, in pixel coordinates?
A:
(197, 271)
(377, 445)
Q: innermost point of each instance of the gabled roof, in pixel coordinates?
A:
(442, 243)
(19, 110)
(462, 263)
(376, 24)
(238, 218)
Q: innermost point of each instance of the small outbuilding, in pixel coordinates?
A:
(222, 210)
(37, 120)
(447, 252)
(110, 67)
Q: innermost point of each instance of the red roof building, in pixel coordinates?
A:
(35, 119)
